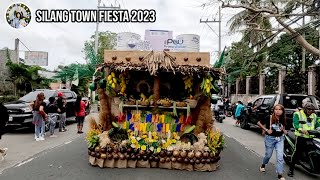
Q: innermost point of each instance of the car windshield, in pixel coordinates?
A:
(293, 102)
(33, 95)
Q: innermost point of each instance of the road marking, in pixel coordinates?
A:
(24, 162)
(67, 142)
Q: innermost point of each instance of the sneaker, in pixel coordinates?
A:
(282, 178)
(4, 153)
(262, 169)
(64, 130)
(41, 138)
(37, 139)
(53, 136)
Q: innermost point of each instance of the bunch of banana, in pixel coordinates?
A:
(188, 82)
(143, 97)
(112, 81)
(206, 85)
(165, 101)
(123, 83)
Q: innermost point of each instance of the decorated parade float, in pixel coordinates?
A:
(155, 112)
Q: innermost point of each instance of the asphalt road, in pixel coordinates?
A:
(70, 161)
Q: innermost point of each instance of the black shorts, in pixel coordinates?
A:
(80, 120)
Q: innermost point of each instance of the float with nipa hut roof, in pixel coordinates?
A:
(155, 112)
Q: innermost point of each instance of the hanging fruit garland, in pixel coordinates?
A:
(207, 85)
(188, 80)
(123, 82)
(112, 81)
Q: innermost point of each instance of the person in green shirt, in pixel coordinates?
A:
(301, 131)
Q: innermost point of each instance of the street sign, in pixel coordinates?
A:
(39, 58)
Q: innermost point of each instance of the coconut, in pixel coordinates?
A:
(211, 154)
(122, 150)
(115, 156)
(115, 150)
(162, 153)
(139, 157)
(109, 149)
(103, 156)
(197, 161)
(109, 156)
(127, 156)
(179, 159)
(162, 160)
(103, 150)
(208, 161)
(190, 154)
(183, 154)
(203, 161)
(145, 158)
(129, 150)
(133, 157)
(142, 153)
(121, 156)
(198, 154)
(93, 154)
(168, 159)
(176, 153)
(149, 152)
(151, 158)
(135, 151)
(186, 160)
(169, 153)
(173, 159)
(191, 161)
(205, 154)
(156, 159)
(97, 149)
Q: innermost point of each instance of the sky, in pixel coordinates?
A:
(64, 41)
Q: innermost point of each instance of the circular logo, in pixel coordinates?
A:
(18, 15)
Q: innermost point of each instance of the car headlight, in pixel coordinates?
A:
(26, 110)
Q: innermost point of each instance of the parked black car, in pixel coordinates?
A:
(20, 112)
(265, 103)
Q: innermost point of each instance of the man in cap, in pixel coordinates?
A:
(301, 131)
(62, 106)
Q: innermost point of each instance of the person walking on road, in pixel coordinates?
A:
(52, 110)
(39, 116)
(301, 131)
(238, 113)
(62, 114)
(80, 108)
(4, 118)
(274, 128)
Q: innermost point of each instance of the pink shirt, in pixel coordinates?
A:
(82, 111)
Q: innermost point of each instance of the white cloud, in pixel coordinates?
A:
(64, 41)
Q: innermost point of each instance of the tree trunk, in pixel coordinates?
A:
(156, 90)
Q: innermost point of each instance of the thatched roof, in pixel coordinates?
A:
(155, 62)
(184, 69)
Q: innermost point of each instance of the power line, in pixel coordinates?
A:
(24, 44)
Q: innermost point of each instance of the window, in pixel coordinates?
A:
(293, 102)
(266, 102)
(257, 102)
(68, 95)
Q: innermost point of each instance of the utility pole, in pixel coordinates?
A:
(303, 50)
(215, 21)
(96, 37)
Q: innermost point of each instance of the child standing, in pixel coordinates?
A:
(52, 110)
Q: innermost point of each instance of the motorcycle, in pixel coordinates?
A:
(219, 115)
(311, 154)
(229, 111)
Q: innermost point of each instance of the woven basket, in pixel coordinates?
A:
(192, 103)
(181, 104)
(144, 103)
(167, 104)
(130, 103)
